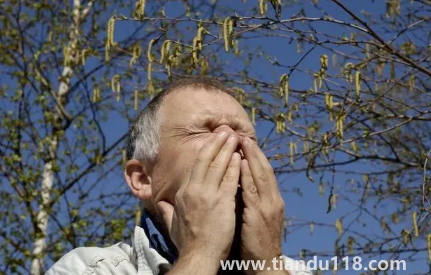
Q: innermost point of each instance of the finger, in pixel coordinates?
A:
(167, 211)
(206, 155)
(249, 190)
(230, 180)
(218, 167)
(272, 180)
(260, 177)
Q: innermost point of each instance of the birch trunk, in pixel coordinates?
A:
(37, 265)
(40, 244)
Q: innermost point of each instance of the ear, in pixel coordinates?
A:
(137, 178)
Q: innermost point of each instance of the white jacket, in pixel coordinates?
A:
(122, 258)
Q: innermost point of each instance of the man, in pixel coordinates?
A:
(208, 191)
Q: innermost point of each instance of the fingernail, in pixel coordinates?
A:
(231, 138)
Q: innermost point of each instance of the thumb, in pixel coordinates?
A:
(167, 211)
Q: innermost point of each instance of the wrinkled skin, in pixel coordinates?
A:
(208, 147)
(189, 119)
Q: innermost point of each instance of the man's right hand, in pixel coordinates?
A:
(202, 222)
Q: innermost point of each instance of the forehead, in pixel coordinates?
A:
(188, 105)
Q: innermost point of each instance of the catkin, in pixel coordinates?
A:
(412, 82)
(280, 124)
(354, 147)
(94, 99)
(306, 147)
(325, 144)
(107, 52)
(367, 50)
(168, 69)
(415, 223)
(392, 71)
(291, 152)
(323, 63)
(321, 189)
(284, 87)
(236, 47)
(177, 52)
(334, 201)
(334, 60)
(110, 31)
(339, 227)
(136, 53)
(136, 99)
(165, 50)
(149, 54)
(66, 55)
(118, 96)
(358, 84)
(116, 85)
(329, 105)
(263, 6)
(200, 37)
(383, 224)
(429, 246)
(315, 85)
(289, 116)
(96, 93)
(204, 66)
(141, 10)
(149, 71)
(83, 56)
(299, 45)
(340, 126)
(405, 235)
(350, 242)
(195, 50)
(395, 218)
(151, 89)
(253, 115)
(348, 72)
(227, 33)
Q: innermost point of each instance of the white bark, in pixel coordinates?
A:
(37, 265)
(39, 246)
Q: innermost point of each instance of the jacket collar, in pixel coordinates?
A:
(157, 241)
(147, 259)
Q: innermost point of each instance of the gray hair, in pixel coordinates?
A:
(144, 133)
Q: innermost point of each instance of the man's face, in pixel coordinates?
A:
(190, 117)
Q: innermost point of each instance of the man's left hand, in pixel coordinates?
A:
(263, 216)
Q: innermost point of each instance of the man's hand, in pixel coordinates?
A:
(263, 209)
(202, 222)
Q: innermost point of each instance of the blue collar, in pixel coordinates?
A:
(157, 241)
